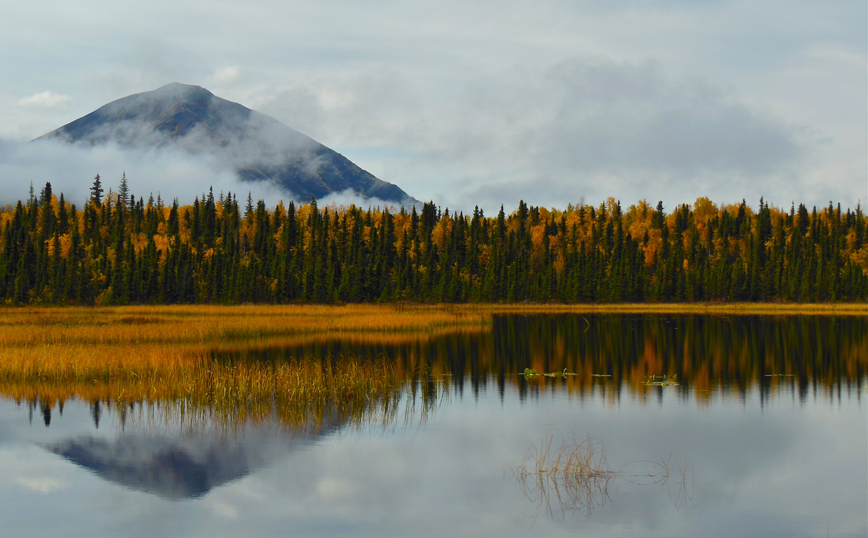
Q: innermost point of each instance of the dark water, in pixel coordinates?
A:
(759, 428)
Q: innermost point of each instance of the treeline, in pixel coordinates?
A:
(121, 250)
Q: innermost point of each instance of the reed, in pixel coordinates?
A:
(160, 324)
(576, 477)
(301, 394)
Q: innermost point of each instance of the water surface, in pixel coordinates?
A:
(761, 422)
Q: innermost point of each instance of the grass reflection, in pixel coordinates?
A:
(312, 365)
(303, 395)
(201, 365)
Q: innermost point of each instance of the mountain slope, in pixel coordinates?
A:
(257, 147)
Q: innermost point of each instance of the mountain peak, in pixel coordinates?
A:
(179, 86)
(178, 92)
(255, 146)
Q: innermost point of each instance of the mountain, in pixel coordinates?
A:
(257, 147)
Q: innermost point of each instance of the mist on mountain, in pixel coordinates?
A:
(184, 139)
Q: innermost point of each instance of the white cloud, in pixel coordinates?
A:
(225, 75)
(223, 509)
(348, 197)
(71, 169)
(46, 100)
(42, 484)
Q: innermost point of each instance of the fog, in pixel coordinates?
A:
(168, 172)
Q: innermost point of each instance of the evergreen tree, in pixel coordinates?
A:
(96, 191)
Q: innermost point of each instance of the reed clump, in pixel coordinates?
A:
(576, 477)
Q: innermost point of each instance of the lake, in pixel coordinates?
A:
(666, 425)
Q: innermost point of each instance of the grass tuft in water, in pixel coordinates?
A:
(577, 478)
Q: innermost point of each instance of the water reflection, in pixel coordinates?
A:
(313, 384)
(807, 355)
(749, 413)
(157, 449)
(167, 467)
(337, 383)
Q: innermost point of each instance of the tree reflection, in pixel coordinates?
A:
(302, 382)
(707, 354)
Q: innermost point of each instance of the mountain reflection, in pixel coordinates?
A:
(164, 467)
(165, 457)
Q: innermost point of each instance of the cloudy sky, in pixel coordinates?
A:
(474, 102)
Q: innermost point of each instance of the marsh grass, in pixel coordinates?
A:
(301, 394)
(204, 324)
(577, 478)
(166, 357)
(167, 353)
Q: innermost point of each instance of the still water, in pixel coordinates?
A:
(701, 426)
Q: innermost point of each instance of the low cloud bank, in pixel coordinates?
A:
(164, 171)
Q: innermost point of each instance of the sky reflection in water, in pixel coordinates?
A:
(765, 456)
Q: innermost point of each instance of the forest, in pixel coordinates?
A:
(118, 249)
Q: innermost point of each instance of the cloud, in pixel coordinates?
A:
(46, 100)
(331, 489)
(602, 115)
(42, 484)
(471, 95)
(348, 197)
(586, 128)
(225, 75)
(183, 172)
(551, 134)
(223, 510)
(171, 173)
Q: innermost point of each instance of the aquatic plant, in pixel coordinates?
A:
(530, 373)
(577, 477)
(660, 380)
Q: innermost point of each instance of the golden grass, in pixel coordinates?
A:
(166, 353)
(202, 324)
(74, 337)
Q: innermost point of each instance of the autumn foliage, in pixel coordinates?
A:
(122, 250)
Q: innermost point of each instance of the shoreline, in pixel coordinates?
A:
(835, 309)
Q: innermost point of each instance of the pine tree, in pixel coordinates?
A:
(124, 191)
(96, 191)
